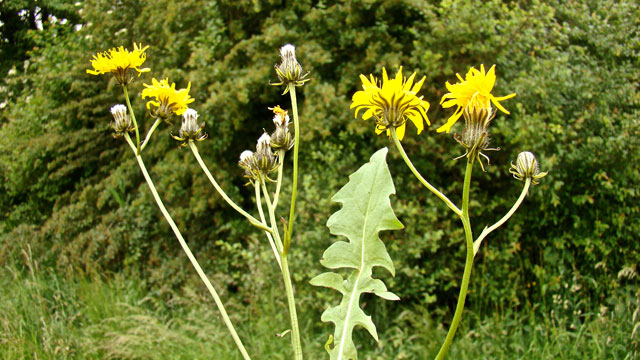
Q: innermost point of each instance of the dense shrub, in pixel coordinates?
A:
(74, 193)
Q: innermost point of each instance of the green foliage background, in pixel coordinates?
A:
(74, 194)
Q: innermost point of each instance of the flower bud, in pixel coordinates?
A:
(190, 130)
(264, 144)
(527, 167)
(289, 71)
(248, 163)
(281, 138)
(265, 161)
(121, 123)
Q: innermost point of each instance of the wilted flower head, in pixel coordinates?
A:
(473, 92)
(289, 71)
(392, 102)
(118, 61)
(168, 100)
(281, 138)
(190, 130)
(527, 167)
(121, 123)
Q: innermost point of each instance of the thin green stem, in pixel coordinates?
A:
(148, 137)
(133, 118)
(294, 187)
(186, 249)
(467, 266)
(255, 222)
(286, 276)
(488, 230)
(272, 216)
(281, 153)
(274, 247)
(424, 182)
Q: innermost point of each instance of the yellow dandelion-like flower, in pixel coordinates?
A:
(118, 61)
(392, 102)
(168, 100)
(474, 92)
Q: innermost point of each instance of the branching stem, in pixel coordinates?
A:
(467, 266)
(286, 276)
(186, 249)
(274, 247)
(148, 137)
(486, 231)
(424, 182)
(255, 222)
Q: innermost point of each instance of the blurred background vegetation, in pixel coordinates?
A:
(90, 269)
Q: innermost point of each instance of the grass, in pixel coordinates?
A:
(44, 315)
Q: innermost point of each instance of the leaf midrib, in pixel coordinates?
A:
(355, 285)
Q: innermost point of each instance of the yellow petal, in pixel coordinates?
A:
(409, 84)
(418, 85)
(452, 120)
(497, 104)
(416, 119)
(400, 131)
(368, 114)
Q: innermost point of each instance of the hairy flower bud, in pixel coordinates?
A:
(527, 167)
(121, 123)
(289, 71)
(248, 163)
(190, 129)
(257, 165)
(281, 138)
(264, 158)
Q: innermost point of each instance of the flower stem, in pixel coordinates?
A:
(286, 276)
(294, 187)
(148, 137)
(467, 266)
(424, 182)
(133, 118)
(186, 249)
(255, 222)
(281, 153)
(487, 231)
(274, 247)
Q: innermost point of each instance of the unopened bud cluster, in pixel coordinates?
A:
(289, 71)
(258, 165)
(190, 129)
(527, 167)
(121, 122)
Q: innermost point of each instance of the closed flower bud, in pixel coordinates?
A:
(248, 163)
(527, 167)
(289, 71)
(121, 122)
(281, 138)
(190, 129)
(265, 161)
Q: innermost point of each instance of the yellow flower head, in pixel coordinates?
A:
(168, 100)
(474, 92)
(392, 102)
(118, 61)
